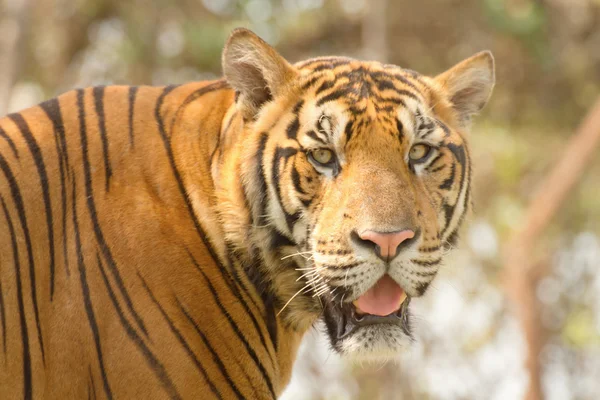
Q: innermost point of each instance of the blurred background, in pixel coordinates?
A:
(515, 312)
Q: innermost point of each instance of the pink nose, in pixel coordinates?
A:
(388, 242)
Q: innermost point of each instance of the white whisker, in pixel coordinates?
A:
(306, 274)
(300, 253)
(307, 286)
(322, 290)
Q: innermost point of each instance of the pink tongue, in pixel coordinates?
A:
(382, 299)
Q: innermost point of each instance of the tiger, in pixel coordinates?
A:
(178, 242)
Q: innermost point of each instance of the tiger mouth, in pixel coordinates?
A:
(345, 320)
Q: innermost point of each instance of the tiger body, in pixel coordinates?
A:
(151, 238)
(106, 292)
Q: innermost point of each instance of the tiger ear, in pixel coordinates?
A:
(255, 71)
(468, 85)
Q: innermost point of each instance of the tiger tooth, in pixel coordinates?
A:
(402, 298)
(357, 309)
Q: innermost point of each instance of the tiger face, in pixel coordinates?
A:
(357, 175)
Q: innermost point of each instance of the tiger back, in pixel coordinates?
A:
(177, 242)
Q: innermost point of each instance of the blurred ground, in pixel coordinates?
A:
(548, 58)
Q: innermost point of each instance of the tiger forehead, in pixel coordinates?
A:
(357, 80)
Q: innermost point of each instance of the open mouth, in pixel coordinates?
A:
(385, 303)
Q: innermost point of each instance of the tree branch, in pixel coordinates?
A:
(519, 282)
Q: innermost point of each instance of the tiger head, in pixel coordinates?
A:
(357, 177)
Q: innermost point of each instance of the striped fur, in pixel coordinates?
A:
(150, 237)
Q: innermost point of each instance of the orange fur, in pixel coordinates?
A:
(162, 224)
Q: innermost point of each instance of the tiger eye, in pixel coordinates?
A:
(322, 156)
(419, 151)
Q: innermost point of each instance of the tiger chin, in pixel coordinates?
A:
(179, 241)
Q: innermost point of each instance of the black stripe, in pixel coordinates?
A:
(18, 200)
(332, 96)
(385, 85)
(221, 133)
(233, 325)
(312, 134)
(427, 263)
(342, 267)
(461, 157)
(36, 153)
(443, 126)
(327, 61)
(391, 85)
(282, 154)
(356, 111)
(264, 296)
(382, 112)
(310, 82)
(425, 274)
(400, 128)
(41, 169)
(219, 85)
(131, 112)
(429, 249)
(453, 237)
(298, 107)
(394, 100)
(279, 240)
(292, 129)
(390, 75)
(296, 181)
(211, 87)
(330, 65)
(215, 356)
(262, 183)
(167, 144)
(263, 289)
(27, 383)
(85, 291)
(89, 195)
(10, 142)
(448, 211)
(435, 159)
(349, 131)
(447, 184)
(326, 85)
(263, 286)
(52, 110)
(271, 317)
(459, 154)
(181, 340)
(422, 287)
(98, 93)
(153, 362)
(428, 128)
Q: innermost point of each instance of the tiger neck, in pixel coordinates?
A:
(238, 169)
(228, 223)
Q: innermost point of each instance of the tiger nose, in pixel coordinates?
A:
(386, 243)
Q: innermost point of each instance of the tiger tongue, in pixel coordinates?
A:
(382, 299)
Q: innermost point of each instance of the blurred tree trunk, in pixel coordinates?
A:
(12, 28)
(374, 31)
(520, 277)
